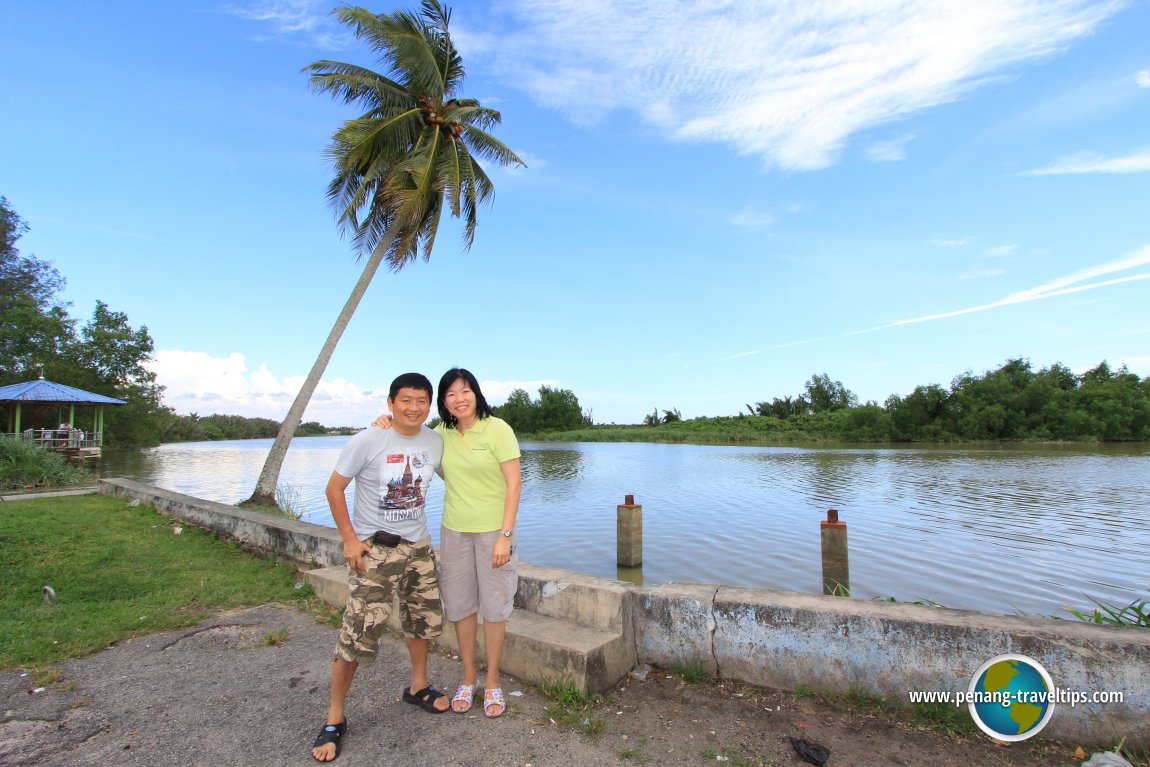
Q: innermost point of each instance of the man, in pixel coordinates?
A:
(388, 550)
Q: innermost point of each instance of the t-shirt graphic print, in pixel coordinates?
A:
(405, 475)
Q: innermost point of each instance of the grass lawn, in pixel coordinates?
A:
(117, 571)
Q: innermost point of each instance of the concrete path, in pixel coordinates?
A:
(50, 494)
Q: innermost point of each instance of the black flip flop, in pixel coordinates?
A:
(425, 699)
(331, 733)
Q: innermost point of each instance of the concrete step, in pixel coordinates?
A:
(577, 597)
(543, 647)
(540, 648)
(329, 584)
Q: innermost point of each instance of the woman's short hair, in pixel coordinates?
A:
(482, 409)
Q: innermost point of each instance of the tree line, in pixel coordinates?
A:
(196, 428)
(1015, 402)
(1012, 402)
(553, 410)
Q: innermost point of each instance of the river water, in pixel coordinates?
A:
(1003, 529)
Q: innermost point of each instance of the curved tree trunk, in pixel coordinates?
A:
(265, 492)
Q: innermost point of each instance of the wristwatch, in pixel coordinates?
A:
(505, 533)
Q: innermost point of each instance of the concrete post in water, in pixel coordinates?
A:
(836, 568)
(630, 533)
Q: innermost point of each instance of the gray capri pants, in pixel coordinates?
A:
(468, 583)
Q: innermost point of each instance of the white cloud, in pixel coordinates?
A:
(1139, 365)
(1001, 250)
(198, 375)
(196, 382)
(790, 82)
(1061, 286)
(1140, 258)
(1143, 78)
(307, 19)
(889, 151)
(1089, 162)
(283, 16)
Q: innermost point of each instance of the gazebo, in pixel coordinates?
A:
(70, 439)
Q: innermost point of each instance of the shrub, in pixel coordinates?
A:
(24, 463)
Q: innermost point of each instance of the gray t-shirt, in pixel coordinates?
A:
(392, 474)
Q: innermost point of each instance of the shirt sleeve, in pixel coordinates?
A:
(353, 457)
(504, 445)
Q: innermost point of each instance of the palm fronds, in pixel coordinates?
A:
(412, 150)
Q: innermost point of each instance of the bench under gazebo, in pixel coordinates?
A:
(70, 438)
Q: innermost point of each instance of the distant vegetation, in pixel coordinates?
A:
(1013, 402)
(553, 410)
(193, 428)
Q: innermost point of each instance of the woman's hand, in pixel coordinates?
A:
(501, 555)
(383, 421)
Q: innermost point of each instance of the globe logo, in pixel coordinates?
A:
(1011, 697)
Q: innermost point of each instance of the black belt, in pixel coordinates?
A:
(387, 540)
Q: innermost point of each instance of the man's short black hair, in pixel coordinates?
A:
(410, 381)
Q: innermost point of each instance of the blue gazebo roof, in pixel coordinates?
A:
(53, 393)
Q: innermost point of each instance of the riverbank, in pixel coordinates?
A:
(818, 430)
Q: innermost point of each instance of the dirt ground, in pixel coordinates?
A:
(664, 721)
(217, 694)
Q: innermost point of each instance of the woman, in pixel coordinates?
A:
(477, 561)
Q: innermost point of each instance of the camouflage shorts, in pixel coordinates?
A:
(408, 569)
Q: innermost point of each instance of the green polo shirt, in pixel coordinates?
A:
(475, 487)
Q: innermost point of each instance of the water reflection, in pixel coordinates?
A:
(552, 463)
(1028, 528)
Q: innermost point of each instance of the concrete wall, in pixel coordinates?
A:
(306, 544)
(783, 639)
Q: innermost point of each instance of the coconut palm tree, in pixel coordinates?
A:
(410, 155)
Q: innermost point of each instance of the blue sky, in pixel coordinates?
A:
(721, 199)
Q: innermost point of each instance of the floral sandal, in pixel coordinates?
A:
(493, 699)
(464, 694)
